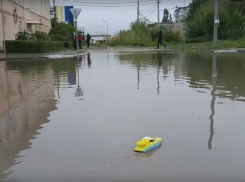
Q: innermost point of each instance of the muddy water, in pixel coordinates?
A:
(79, 119)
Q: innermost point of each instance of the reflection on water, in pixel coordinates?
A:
(78, 119)
(214, 77)
(25, 106)
(27, 96)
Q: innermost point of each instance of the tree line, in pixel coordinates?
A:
(200, 20)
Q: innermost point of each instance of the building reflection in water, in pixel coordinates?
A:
(27, 97)
(214, 78)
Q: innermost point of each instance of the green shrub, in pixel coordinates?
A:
(68, 44)
(197, 40)
(170, 36)
(16, 46)
(41, 36)
(57, 37)
(66, 30)
(141, 35)
(27, 36)
(24, 35)
(154, 33)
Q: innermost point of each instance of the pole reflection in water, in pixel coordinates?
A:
(58, 84)
(159, 58)
(214, 77)
(138, 74)
(107, 60)
(79, 91)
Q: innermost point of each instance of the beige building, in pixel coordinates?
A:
(179, 27)
(31, 15)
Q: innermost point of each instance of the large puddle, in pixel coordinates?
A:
(78, 119)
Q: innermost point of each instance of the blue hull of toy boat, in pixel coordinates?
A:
(152, 147)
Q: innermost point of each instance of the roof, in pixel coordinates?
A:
(178, 8)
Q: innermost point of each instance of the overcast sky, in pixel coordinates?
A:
(118, 13)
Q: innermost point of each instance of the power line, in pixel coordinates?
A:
(123, 2)
(149, 13)
(115, 5)
(164, 2)
(149, 9)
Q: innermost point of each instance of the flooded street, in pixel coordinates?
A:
(79, 119)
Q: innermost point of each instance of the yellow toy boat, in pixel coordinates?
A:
(147, 143)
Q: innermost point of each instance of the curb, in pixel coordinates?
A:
(55, 56)
(220, 51)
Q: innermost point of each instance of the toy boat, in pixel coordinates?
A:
(147, 143)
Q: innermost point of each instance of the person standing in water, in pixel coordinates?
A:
(88, 40)
(160, 40)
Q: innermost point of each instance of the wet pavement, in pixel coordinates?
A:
(78, 119)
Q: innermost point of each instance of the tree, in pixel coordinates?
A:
(54, 21)
(63, 29)
(165, 18)
(199, 22)
(194, 7)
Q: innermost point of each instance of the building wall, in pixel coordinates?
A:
(181, 13)
(179, 27)
(35, 10)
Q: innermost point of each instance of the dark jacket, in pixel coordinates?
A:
(160, 36)
(88, 37)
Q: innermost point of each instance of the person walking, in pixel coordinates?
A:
(80, 38)
(88, 40)
(160, 40)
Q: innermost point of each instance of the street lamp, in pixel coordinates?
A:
(99, 29)
(107, 28)
(102, 28)
(103, 37)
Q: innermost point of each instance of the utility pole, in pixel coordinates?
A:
(138, 11)
(216, 22)
(158, 17)
(54, 9)
(76, 12)
(106, 29)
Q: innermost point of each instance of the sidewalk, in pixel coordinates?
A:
(62, 54)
